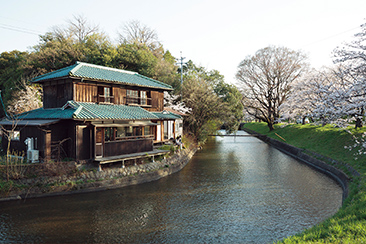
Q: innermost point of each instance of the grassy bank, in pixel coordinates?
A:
(348, 225)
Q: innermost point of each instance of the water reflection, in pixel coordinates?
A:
(236, 190)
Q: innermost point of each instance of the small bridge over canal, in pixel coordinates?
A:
(248, 135)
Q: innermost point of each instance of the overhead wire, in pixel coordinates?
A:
(20, 29)
(330, 37)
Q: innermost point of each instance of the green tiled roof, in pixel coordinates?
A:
(109, 111)
(92, 111)
(167, 115)
(102, 73)
(50, 113)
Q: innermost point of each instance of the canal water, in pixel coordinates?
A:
(235, 190)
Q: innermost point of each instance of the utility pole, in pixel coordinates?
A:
(181, 73)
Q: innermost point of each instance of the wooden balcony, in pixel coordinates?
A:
(139, 101)
(105, 99)
(122, 147)
(134, 101)
(131, 156)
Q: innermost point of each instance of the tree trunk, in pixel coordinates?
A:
(303, 120)
(270, 126)
(358, 123)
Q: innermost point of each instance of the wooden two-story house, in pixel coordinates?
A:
(94, 113)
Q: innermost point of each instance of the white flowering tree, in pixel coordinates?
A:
(303, 98)
(175, 102)
(327, 96)
(334, 95)
(352, 57)
(337, 95)
(26, 98)
(266, 80)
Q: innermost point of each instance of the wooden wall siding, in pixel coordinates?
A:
(25, 132)
(119, 95)
(57, 93)
(49, 94)
(65, 90)
(65, 129)
(116, 148)
(157, 101)
(44, 137)
(85, 92)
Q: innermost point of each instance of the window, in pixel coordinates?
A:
(14, 135)
(165, 125)
(132, 132)
(132, 97)
(147, 130)
(129, 131)
(108, 134)
(105, 94)
(143, 97)
(137, 131)
(121, 132)
(138, 97)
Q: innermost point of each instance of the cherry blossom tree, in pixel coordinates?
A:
(26, 98)
(322, 95)
(334, 95)
(328, 96)
(352, 57)
(175, 102)
(266, 80)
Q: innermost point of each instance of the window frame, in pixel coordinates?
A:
(104, 94)
(14, 135)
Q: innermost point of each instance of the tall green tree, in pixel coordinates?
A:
(63, 46)
(98, 49)
(135, 57)
(231, 96)
(52, 53)
(212, 101)
(141, 51)
(205, 107)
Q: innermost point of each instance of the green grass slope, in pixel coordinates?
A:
(348, 225)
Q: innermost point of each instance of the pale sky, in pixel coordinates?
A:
(214, 34)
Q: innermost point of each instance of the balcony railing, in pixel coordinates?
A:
(105, 99)
(145, 102)
(129, 100)
(115, 148)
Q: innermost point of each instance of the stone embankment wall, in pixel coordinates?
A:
(313, 161)
(102, 180)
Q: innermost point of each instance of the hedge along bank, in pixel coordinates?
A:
(94, 180)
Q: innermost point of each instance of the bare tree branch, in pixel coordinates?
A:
(266, 80)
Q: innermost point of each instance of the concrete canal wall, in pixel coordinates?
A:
(102, 180)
